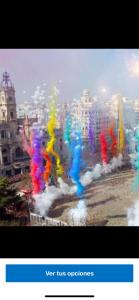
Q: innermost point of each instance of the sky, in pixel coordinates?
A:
(101, 71)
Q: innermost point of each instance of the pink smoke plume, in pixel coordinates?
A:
(36, 164)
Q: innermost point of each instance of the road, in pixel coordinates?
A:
(107, 201)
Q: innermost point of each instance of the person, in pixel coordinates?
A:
(52, 182)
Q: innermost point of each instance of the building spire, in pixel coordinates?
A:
(6, 81)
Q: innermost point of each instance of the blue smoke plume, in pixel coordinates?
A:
(76, 164)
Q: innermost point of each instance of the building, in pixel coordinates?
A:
(88, 111)
(13, 160)
(136, 110)
(101, 121)
(62, 111)
(128, 110)
(80, 110)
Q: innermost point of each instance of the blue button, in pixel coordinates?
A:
(69, 273)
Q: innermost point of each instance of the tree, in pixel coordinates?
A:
(26, 182)
(3, 183)
(8, 196)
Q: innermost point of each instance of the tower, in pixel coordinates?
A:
(7, 100)
(12, 158)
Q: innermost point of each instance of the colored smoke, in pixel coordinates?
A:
(104, 147)
(113, 146)
(48, 166)
(65, 188)
(133, 214)
(67, 131)
(36, 164)
(78, 215)
(76, 163)
(45, 200)
(51, 126)
(131, 145)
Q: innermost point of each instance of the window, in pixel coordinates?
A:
(3, 114)
(2, 134)
(18, 152)
(10, 98)
(17, 171)
(4, 151)
(5, 159)
(11, 114)
(8, 173)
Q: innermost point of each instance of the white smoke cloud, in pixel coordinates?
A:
(133, 214)
(120, 162)
(45, 200)
(132, 146)
(65, 188)
(133, 157)
(106, 168)
(116, 162)
(97, 172)
(90, 175)
(86, 178)
(78, 215)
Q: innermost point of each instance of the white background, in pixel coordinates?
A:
(37, 291)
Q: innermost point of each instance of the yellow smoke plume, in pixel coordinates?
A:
(51, 131)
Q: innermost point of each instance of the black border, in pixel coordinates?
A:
(69, 242)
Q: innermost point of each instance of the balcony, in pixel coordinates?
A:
(4, 141)
(5, 167)
(21, 159)
(6, 164)
(20, 164)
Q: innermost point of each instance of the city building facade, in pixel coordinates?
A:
(136, 110)
(88, 111)
(13, 160)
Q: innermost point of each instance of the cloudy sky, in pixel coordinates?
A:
(106, 71)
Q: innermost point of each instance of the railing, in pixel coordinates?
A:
(40, 221)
